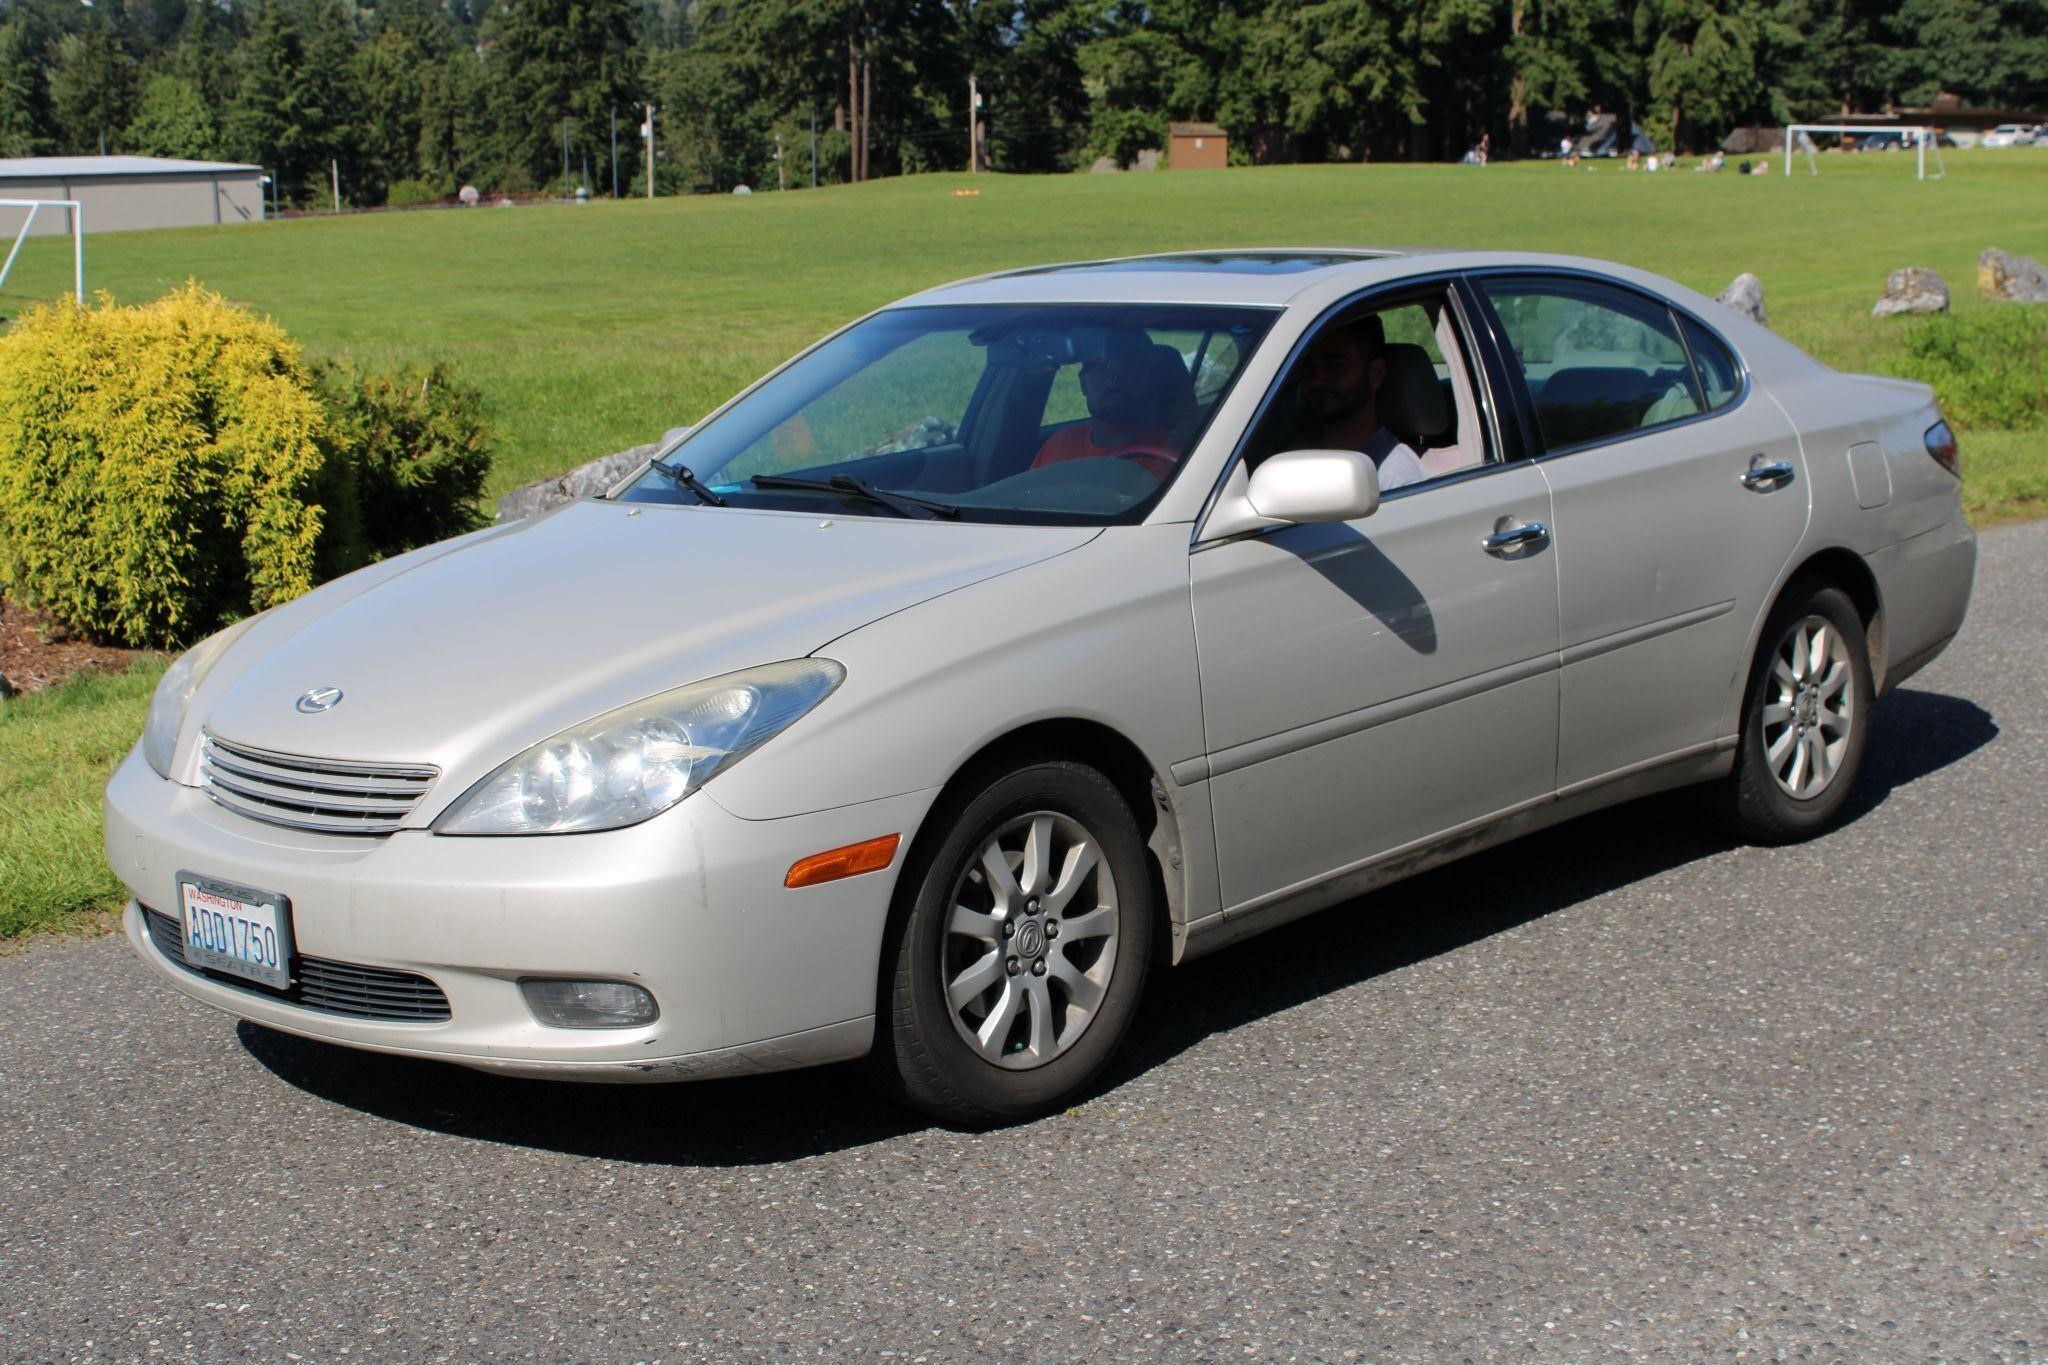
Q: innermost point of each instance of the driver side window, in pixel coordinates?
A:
(1393, 381)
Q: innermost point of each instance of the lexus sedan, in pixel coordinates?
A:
(1029, 636)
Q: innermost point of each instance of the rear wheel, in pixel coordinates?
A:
(1018, 955)
(1806, 719)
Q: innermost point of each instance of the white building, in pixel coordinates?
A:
(122, 192)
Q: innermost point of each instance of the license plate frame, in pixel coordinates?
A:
(239, 930)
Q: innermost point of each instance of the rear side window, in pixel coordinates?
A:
(1719, 374)
(1600, 362)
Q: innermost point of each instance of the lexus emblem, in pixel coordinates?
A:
(320, 699)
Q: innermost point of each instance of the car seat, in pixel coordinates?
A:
(1586, 402)
(1173, 394)
(1411, 397)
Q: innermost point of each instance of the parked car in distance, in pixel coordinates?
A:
(2007, 135)
(1033, 634)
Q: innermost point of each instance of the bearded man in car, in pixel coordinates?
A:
(1341, 377)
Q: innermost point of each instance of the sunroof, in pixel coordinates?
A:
(1223, 262)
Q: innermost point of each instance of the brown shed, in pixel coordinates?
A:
(1197, 147)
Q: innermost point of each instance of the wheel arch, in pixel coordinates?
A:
(1845, 569)
(1145, 788)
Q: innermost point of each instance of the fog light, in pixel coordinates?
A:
(589, 1004)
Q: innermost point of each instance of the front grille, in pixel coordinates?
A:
(342, 988)
(327, 795)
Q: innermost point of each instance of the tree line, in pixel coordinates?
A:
(410, 99)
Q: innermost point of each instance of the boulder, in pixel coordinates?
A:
(1745, 294)
(1912, 290)
(2017, 278)
(585, 481)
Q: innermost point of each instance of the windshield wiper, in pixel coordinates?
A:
(903, 504)
(681, 477)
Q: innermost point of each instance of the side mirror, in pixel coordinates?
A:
(1297, 486)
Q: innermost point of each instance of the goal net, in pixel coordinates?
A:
(74, 221)
(1917, 139)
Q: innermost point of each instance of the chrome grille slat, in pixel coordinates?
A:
(328, 796)
(336, 766)
(328, 784)
(306, 799)
(344, 988)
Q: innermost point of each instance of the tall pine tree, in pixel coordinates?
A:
(24, 92)
(556, 60)
(263, 123)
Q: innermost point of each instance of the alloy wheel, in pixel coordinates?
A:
(1030, 942)
(1809, 708)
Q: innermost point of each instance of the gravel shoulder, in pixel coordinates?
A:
(1619, 1088)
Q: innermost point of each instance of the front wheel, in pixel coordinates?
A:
(1805, 719)
(1018, 955)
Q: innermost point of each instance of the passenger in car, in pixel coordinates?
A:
(1133, 400)
(1340, 379)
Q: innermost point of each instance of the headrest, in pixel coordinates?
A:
(1173, 388)
(1580, 384)
(1411, 399)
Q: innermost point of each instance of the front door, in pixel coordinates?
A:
(1369, 685)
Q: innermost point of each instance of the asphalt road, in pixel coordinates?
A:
(1617, 1089)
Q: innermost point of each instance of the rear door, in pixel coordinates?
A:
(1678, 495)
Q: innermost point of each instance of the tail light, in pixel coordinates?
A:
(1941, 444)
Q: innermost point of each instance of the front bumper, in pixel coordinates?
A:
(748, 975)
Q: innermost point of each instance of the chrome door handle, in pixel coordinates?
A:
(1506, 542)
(1764, 476)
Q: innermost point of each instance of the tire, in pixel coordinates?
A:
(1018, 949)
(1805, 724)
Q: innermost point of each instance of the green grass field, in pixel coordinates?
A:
(56, 749)
(593, 328)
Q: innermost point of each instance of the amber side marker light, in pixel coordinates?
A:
(871, 856)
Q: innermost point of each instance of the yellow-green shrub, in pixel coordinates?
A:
(164, 467)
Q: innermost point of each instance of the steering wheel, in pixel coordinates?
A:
(1158, 461)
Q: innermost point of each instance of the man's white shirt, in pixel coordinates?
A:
(1398, 465)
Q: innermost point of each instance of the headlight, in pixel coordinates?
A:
(636, 762)
(174, 694)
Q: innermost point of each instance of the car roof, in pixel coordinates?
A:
(1272, 276)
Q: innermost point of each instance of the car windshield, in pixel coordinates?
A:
(1068, 414)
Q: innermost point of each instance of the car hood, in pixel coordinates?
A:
(464, 654)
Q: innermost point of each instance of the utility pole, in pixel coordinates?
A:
(814, 148)
(565, 158)
(647, 131)
(780, 183)
(615, 154)
(973, 131)
(335, 167)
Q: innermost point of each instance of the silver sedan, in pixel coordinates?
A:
(1029, 636)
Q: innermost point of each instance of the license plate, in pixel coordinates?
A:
(236, 929)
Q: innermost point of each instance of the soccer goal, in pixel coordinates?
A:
(76, 218)
(1917, 137)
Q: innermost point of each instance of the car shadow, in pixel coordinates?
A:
(808, 1113)
(1352, 564)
